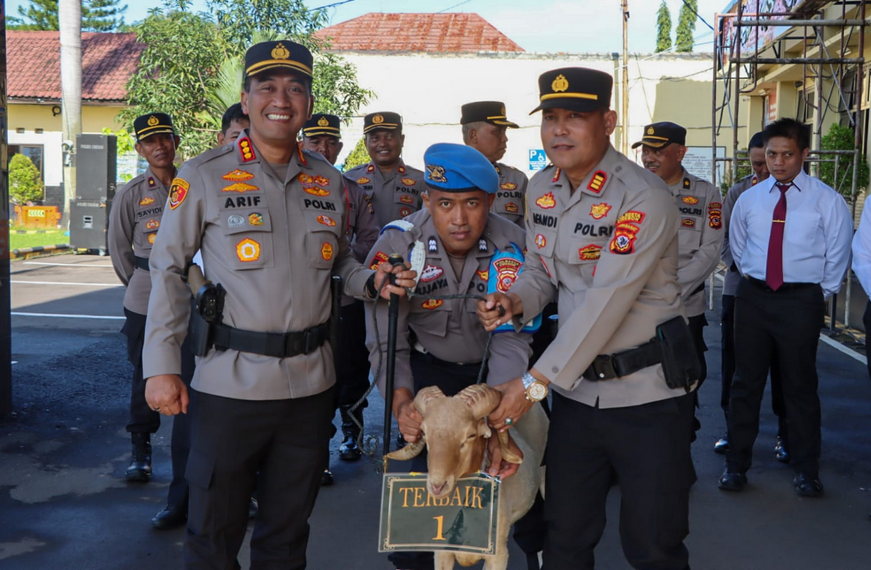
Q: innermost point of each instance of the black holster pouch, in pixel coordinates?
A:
(680, 361)
(199, 334)
(207, 312)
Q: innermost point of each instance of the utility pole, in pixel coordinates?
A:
(70, 23)
(5, 219)
(624, 116)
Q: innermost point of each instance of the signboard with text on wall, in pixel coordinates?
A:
(697, 161)
(537, 159)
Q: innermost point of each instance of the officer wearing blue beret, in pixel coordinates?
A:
(459, 235)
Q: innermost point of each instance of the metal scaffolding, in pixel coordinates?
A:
(750, 42)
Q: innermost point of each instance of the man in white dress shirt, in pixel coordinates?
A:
(790, 238)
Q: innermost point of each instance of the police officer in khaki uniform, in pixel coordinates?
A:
(485, 127)
(602, 235)
(269, 221)
(460, 235)
(322, 133)
(394, 187)
(663, 147)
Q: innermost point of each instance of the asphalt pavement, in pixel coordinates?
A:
(64, 503)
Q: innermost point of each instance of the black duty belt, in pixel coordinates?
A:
(142, 263)
(608, 366)
(785, 287)
(279, 345)
(698, 289)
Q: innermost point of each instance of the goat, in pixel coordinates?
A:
(454, 433)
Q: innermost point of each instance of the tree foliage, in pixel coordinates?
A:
(686, 26)
(663, 28)
(97, 16)
(25, 182)
(840, 137)
(192, 64)
(357, 156)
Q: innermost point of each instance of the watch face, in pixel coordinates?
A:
(537, 392)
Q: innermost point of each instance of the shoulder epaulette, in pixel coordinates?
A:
(400, 225)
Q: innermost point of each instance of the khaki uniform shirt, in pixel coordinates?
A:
(394, 195)
(730, 283)
(608, 253)
(272, 237)
(700, 237)
(362, 230)
(134, 219)
(510, 200)
(450, 330)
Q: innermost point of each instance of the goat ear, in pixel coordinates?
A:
(425, 396)
(481, 399)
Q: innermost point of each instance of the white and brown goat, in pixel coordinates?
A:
(455, 435)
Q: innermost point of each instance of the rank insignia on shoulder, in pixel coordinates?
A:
(688, 223)
(482, 245)
(409, 181)
(597, 181)
(590, 252)
(546, 202)
(363, 180)
(377, 259)
(512, 208)
(178, 191)
(238, 176)
(754, 181)
(246, 149)
(239, 187)
(690, 200)
(686, 183)
(430, 273)
(432, 245)
(599, 211)
(301, 155)
(431, 304)
(147, 201)
(248, 250)
(508, 186)
(151, 182)
(400, 225)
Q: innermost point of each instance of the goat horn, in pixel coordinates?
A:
(507, 454)
(425, 395)
(409, 452)
(482, 399)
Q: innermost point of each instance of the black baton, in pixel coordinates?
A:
(392, 319)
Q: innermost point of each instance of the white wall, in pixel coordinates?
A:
(52, 152)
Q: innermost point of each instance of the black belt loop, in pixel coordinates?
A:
(142, 263)
(278, 345)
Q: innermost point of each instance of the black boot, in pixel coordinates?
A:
(349, 450)
(139, 470)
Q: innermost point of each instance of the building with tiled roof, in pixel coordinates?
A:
(428, 33)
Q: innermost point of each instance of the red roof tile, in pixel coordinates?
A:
(431, 33)
(33, 63)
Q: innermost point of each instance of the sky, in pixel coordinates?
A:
(574, 26)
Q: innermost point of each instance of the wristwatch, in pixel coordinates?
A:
(536, 390)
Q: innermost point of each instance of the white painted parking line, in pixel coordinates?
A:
(109, 265)
(14, 282)
(58, 316)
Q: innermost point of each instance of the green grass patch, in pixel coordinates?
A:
(50, 237)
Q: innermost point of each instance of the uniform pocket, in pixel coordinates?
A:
(689, 237)
(249, 236)
(405, 204)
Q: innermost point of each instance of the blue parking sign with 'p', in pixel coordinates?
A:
(537, 159)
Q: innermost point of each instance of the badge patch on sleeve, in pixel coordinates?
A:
(597, 181)
(623, 243)
(507, 269)
(546, 202)
(404, 211)
(377, 259)
(431, 304)
(715, 219)
(178, 191)
(248, 250)
(631, 216)
(327, 251)
(599, 211)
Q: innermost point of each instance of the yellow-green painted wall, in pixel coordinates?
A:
(31, 117)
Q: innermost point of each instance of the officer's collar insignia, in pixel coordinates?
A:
(559, 84)
(686, 182)
(301, 155)
(153, 121)
(498, 170)
(432, 244)
(370, 168)
(482, 245)
(323, 122)
(401, 169)
(436, 173)
(597, 181)
(280, 52)
(556, 175)
(246, 149)
(151, 183)
(755, 181)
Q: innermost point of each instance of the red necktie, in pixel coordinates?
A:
(774, 266)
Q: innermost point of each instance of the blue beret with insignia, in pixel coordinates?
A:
(459, 168)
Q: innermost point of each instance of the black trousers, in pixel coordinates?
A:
(281, 443)
(727, 337)
(866, 320)
(648, 446)
(785, 324)
(352, 365)
(697, 326)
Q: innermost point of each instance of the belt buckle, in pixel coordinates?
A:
(603, 367)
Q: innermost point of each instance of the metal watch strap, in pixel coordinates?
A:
(527, 380)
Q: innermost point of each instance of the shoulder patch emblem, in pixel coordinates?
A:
(546, 202)
(596, 182)
(688, 223)
(409, 181)
(178, 191)
(246, 149)
(507, 269)
(690, 200)
(715, 219)
(599, 211)
(512, 208)
(255, 219)
(363, 180)
(239, 187)
(152, 225)
(327, 251)
(326, 221)
(248, 250)
(508, 186)
(238, 176)
(431, 272)
(623, 243)
(540, 241)
(147, 201)
(406, 199)
(590, 252)
(715, 206)
(631, 216)
(377, 259)
(431, 304)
